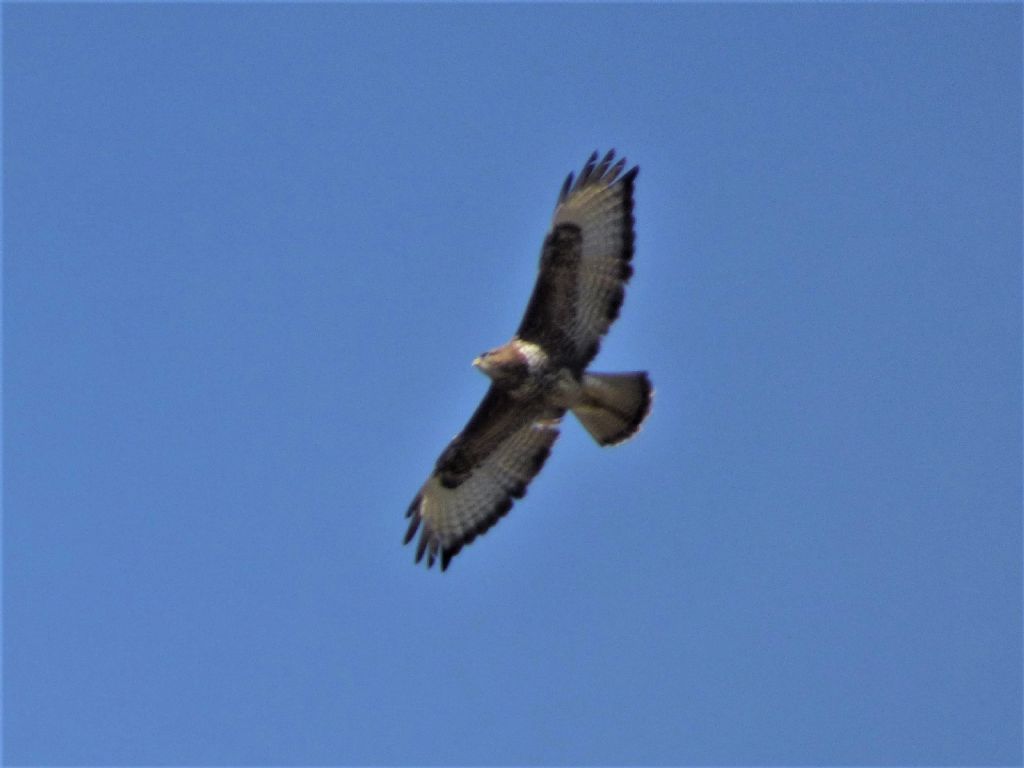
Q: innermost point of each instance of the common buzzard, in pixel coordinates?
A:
(542, 371)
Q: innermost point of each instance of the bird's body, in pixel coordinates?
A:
(524, 371)
(542, 371)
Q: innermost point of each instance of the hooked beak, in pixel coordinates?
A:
(477, 362)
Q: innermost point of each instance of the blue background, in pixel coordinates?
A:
(249, 253)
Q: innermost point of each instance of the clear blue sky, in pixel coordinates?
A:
(249, 254)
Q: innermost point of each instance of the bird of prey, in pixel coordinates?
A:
(542, 372)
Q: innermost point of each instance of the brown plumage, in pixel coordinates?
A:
(542, 372)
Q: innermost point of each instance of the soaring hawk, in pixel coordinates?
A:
(542, 372)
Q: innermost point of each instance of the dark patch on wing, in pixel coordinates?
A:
(431, 545)
(549, 314)
(497, 416)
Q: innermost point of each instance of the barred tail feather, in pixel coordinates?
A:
(614, 405)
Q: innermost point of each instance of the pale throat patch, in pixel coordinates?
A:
(535, 356)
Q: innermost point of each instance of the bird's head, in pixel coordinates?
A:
(506, 366)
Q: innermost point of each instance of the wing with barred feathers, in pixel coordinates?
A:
(584, 263)
(483, 470)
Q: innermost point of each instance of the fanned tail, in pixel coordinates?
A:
(614, 405)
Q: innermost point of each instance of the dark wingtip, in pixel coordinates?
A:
(413, 525)
(431, 553)
(421, 546)
(565, 188)
(602, 168)
(628, 181)
(588, 170)
(415, 504)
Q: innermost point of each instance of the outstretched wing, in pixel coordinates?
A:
(480, 473)
(584, 264)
